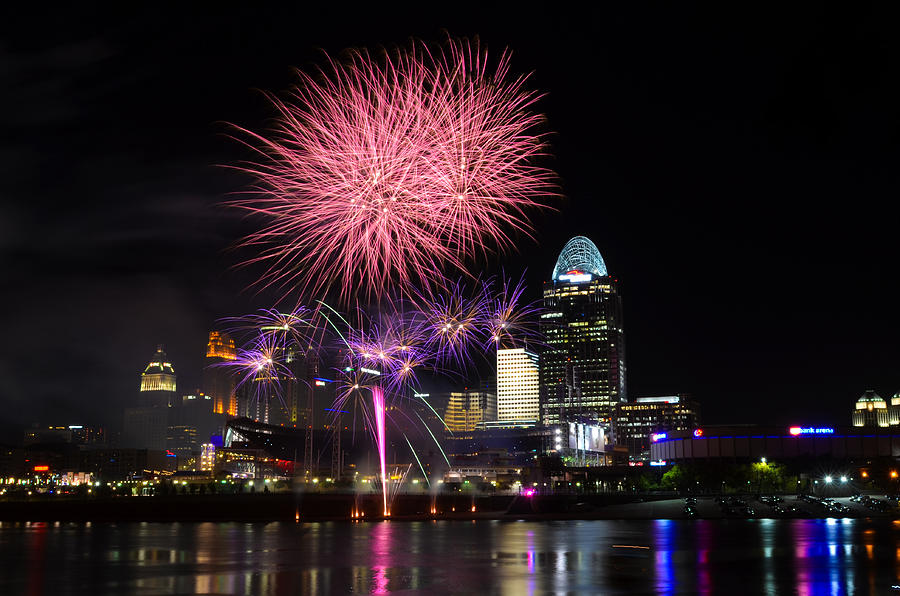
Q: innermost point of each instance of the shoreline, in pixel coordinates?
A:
(316, 507)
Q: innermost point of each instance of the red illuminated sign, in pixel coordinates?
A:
(42, 468)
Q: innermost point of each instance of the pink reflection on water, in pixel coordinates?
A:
(705, 545)
(381, 581)
(36, 557)
(381, 549)
(530, 555)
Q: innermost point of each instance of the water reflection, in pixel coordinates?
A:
(489, 557)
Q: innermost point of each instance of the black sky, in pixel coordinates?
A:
(736, 169)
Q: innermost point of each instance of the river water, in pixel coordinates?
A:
(483, 557)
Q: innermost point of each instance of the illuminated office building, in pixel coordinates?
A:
(518, 397)
(634, 422)
(218, 381)
(583, 361)
(207, 457)
(158, 382)
(467, 409)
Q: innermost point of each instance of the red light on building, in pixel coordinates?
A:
(698, 432)
(42, 468)
(795, 430)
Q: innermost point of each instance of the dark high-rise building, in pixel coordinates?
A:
(218, 381)
(582, 366)
(196, 411)
(182, 441)
(146, 426)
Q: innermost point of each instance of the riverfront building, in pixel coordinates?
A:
(518, 396)
(583, 363)
(468, 410)
(776, 444)
(634, 422)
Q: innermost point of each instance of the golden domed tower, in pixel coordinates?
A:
(158, 386)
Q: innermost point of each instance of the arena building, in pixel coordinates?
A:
(752, 443)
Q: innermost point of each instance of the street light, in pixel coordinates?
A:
(762, 462)
(844, 479)
(828, 480)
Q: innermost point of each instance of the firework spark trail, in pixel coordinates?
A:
(418, 461)
(392, 168)
(379, 407)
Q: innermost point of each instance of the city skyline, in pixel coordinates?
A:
(493, 299)
(729, 200)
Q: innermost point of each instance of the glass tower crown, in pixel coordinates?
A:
(581, 255)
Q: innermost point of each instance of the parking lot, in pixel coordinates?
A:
(757, 506)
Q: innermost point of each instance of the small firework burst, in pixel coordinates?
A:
(260, 367)
(510, 322)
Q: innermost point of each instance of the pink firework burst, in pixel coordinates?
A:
(395, 168)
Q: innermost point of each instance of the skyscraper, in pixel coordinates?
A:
(158, 381)
(218, 381)
(518, 397)
(583, 363)
(146, 427)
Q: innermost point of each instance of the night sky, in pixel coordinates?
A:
(736, 170)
